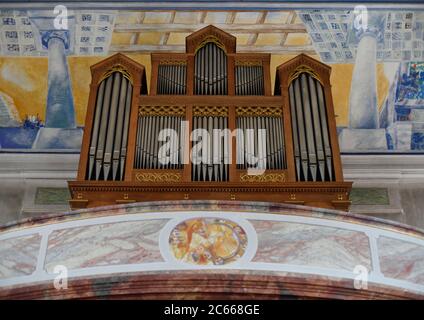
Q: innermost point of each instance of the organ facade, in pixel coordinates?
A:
(210, 129)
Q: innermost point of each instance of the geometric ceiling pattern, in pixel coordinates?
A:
(328, 33)
(104, 32)
(262, 31)
(399, 34)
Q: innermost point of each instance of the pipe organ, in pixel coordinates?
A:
(210, 70)
(172, 78)
(110, 127)
(312, 148)
(210, 129)
(249, 79)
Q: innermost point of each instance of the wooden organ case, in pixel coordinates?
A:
(210, 129)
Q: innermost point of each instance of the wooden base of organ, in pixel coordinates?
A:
(210, 87)
(334, 195)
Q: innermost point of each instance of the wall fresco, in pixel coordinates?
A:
(45, 72)
(208, 241)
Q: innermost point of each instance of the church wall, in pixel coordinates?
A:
(324, 33)
(388, 188)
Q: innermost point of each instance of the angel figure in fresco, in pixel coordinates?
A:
(201, 243)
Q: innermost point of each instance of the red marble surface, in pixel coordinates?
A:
(206, 285)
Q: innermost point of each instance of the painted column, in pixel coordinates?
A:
(60, 105)
(363, 110)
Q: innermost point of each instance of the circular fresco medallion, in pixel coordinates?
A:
(208, 241)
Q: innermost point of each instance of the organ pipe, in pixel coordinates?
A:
(249, 80)
(210, 72)
(108, 141)
(212, 163)
(312, 150)
(260, 142)
(172, 79)
(150, 151)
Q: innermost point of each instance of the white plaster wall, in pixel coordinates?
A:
(402, 175)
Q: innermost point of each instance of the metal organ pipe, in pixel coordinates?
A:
(103, 128)
(108, 142)
(210, 70)
(324, 130)
(111, 125)
(172, 79)
(317, 129)
(259, 149)
(214, 156)
(313, 155)
(95, 130)
(149, 152)
(249, 80)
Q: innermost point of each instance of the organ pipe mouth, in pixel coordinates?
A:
(116, 68)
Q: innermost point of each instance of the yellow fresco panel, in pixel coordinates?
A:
(157, 17)
(267, 39)
(297, 39)
(246, 17)
(242, 38)
(177, 38)
(187, 17)
(276, 17)
(216, 17)
(149, 38)
(383, 85)
(127, 17)
(25, 81)
(121, 38)
(298, 20)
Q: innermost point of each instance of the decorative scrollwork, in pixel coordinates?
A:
(263, 178)
(303, 69)
(117, 68)
(250, 111)
(162, 111)
(217, 111)
(158, 177)
(173, 62)
(213, 39)
(248, 63)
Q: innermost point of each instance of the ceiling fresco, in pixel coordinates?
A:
(395, 60)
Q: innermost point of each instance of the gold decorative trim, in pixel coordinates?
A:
(173, 62)
(249, 63)
(267, 177)
(117, 68)
(303, 69)
(162, 111)
(212, 39)
(204, 111)
(254, 111)
(158, 177)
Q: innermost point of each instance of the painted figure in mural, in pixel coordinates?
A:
(208, 241)
(32, 122)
